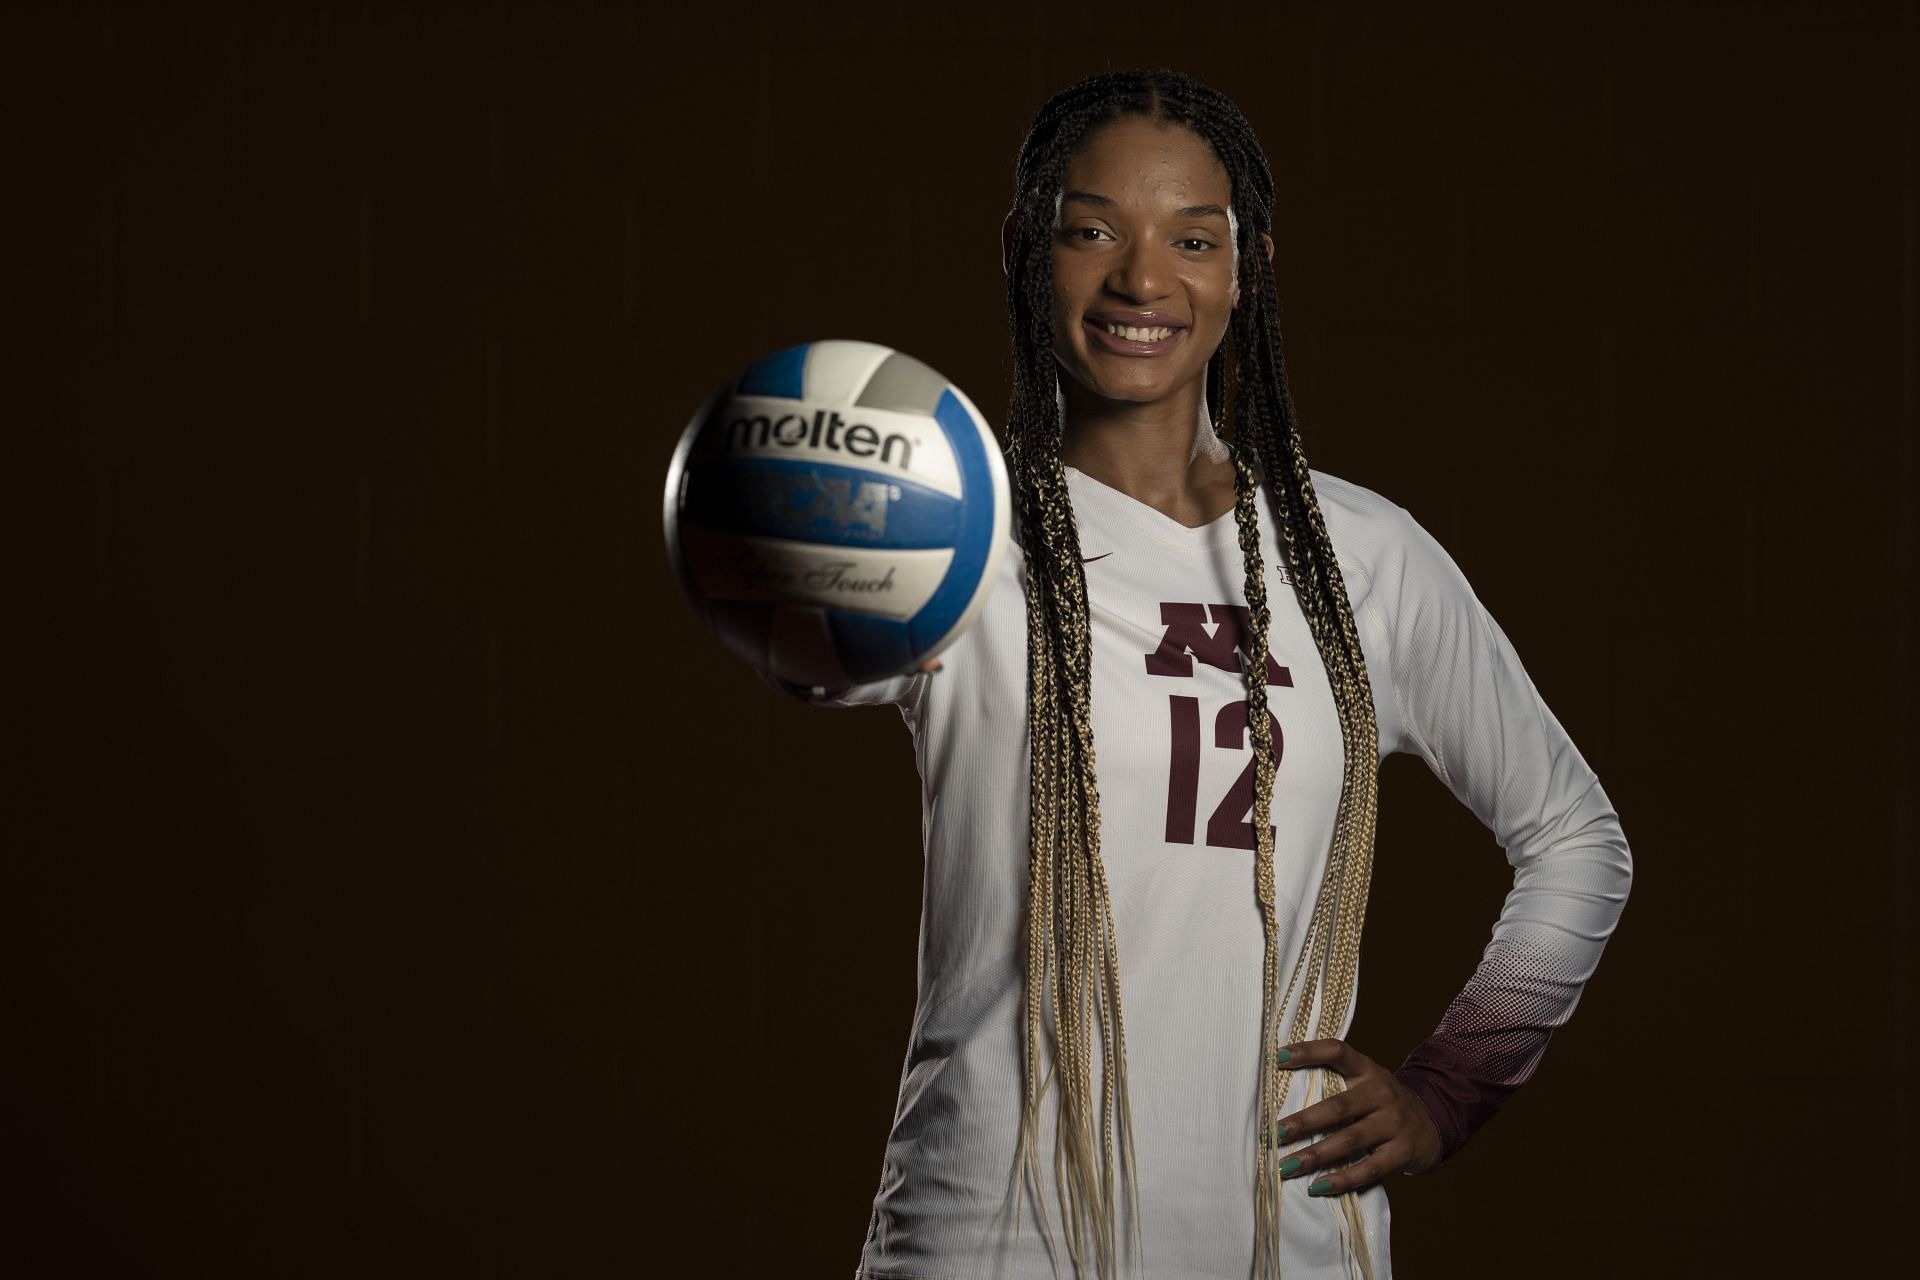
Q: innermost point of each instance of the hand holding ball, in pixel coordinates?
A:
(836, 513)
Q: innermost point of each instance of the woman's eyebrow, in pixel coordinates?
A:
(1190, 211)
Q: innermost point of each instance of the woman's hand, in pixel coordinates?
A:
(1374, 1112)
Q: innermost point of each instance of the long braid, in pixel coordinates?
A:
(1340, 907)
(1072, 947)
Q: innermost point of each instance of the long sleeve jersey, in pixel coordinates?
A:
(1175, 777)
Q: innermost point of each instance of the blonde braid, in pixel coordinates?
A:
(1071, 936)
(1260, 735)
(1331, 948)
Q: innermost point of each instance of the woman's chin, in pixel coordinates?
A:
(1138, 390)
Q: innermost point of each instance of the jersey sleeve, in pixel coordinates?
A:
(895, 690)
(1470, 710)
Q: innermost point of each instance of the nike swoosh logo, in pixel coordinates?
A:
(1090, 559)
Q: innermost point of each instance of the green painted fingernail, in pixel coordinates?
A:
(1289, 1166)
(1280, 1133)
(1281, 1055)
(1320, 1188)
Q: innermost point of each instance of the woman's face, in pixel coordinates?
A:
(1142, 244)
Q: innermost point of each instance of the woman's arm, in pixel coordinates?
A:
(1475, 717)
(895, 690)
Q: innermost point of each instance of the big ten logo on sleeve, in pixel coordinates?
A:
(1186, 638)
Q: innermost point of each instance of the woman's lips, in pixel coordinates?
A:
(1125, 347)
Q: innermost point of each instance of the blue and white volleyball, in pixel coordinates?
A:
(836, 513)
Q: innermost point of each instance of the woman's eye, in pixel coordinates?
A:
(1204, 244)
(1086, 232)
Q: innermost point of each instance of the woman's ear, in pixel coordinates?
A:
(1006, 244)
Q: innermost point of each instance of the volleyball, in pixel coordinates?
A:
(836, 513)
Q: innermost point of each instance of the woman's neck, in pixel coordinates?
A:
(1164, 453)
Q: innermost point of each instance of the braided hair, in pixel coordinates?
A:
(1071, 942)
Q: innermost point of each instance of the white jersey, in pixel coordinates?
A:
(1175, 777)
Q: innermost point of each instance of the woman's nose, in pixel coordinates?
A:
(1141, 272)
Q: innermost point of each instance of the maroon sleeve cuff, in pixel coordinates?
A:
(1459, 1100)
(1430, 1088)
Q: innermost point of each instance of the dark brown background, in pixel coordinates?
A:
(396, 881)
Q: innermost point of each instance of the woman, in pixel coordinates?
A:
(1153, 559)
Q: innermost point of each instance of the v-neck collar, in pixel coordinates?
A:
(1207, 538)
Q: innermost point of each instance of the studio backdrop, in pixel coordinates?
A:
(398, 880)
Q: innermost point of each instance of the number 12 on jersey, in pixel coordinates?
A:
(1226, 827)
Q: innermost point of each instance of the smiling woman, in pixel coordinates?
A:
(1260, 636)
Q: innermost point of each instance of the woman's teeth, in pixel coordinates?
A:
(1132, 334)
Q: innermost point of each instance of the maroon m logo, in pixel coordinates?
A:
(1187, 638)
